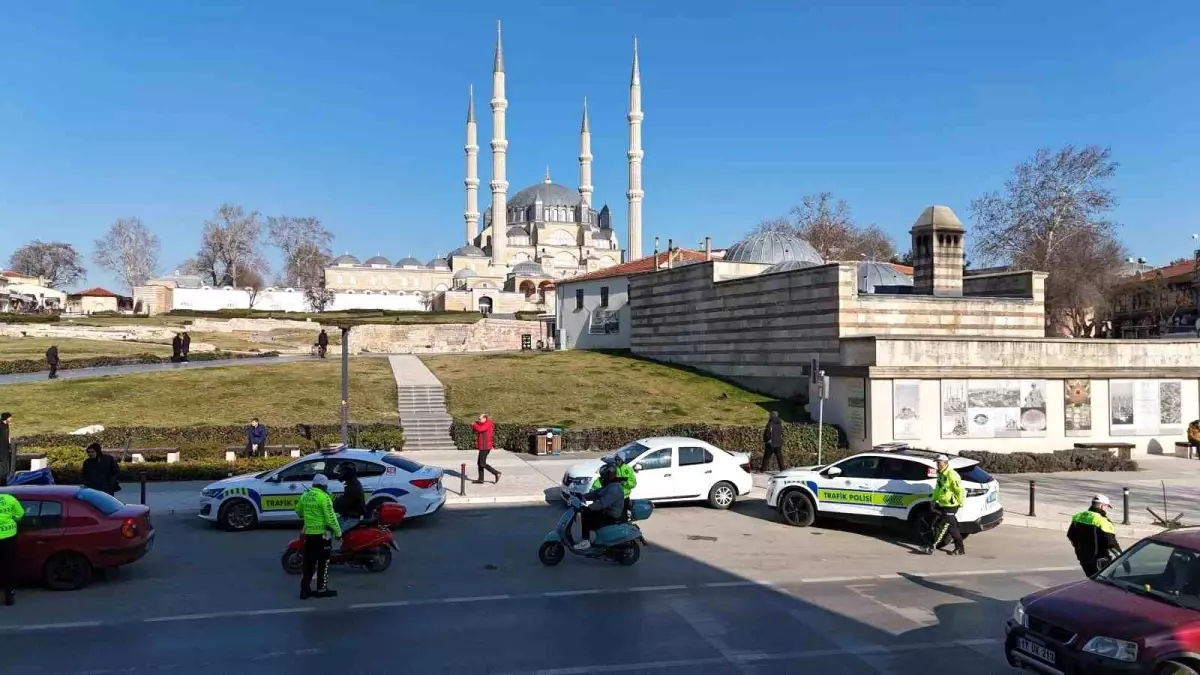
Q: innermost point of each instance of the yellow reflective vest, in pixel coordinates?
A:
(949, 492)
(11, 513)
(623, 471)
(316, 508)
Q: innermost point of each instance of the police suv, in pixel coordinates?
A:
(241, 502)
(890, 484)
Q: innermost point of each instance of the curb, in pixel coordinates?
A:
(1124, 531)
(507, 499)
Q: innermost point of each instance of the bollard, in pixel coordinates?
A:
(1125, 506)
(1032, 492)
(462, 478)
(142, 480)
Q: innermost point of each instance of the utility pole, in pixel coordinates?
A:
(345, 385)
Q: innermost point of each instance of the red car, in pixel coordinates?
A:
(1141, 615)
(69, 532)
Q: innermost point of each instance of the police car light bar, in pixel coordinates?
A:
(891, 447)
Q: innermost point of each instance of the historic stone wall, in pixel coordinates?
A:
(1005, 284)
(482, 336)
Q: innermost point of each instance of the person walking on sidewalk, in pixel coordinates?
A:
(1093, 536)
(948, 497)
(185, 346)
(322, 343)
(320, 529)
(176, 349)
(773, 441)
(52, 360)
(100, 470)
(11, 513)
(484, 429)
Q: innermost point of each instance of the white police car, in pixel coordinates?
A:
(882, 486)
(241, 502)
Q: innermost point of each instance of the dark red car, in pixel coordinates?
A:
(1141, 614)
(69, 532)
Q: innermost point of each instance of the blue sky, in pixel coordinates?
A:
(354, 113)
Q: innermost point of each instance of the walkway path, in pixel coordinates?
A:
(81, 373)
(422, 403)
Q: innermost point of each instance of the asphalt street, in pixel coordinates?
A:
(717, 592)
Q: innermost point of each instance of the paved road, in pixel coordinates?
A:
(81, 373)
(717, 592)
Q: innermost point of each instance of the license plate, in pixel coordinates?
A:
(992, 497)
(1034, 649)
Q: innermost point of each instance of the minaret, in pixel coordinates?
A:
(635, 193)
(471, 214)
(585, 165)
(499, 157)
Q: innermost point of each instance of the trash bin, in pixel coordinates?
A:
(547, 441)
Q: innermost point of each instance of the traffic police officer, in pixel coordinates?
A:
(11, 513)
(320, 529)
(1093, 535)
(948, 497)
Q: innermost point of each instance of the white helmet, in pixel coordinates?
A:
(943, 458)
(1100, 500)
(320, 480)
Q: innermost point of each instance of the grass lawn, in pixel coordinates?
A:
(16, 349)
(279, 394)
(590, 389)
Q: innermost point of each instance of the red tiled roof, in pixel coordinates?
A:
(639, 266)
(903, 269)
(96, 293)
(1179, 269)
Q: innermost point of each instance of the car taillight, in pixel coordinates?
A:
(129, 529)
(424, 483)
(746, 467)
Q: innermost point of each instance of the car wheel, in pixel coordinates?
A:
(629, 554)
(1175, 668)
(67, 572)
(379, 560)
(797, 508)
(293, 561)
(722, 496)
(551, 553)
(923, 522)
(238, 515)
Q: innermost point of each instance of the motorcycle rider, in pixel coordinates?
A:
(1093, 535)
(316, 507)
(351, 505)
(948, 497)
(605, 506)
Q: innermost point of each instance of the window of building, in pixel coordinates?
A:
(604, 296)
(579, 298)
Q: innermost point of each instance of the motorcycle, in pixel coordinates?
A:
(620, 543)
(369, 544)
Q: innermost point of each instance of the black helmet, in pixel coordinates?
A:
(347, 470)
(608, 473)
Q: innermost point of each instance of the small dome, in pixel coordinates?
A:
(438, 264)
(346, 259)
(465, 273)
(469, 251)
(528, 268)
(517, 231)
(549, 194)
(377, 260)
(787, 266)
(876, 274)
(771, 248)
(409, 261)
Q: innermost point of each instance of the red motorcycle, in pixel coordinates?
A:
(368, 545)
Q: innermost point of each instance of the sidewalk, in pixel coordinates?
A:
(81, 373)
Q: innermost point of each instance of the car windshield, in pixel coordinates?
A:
(1158, 570)
(974, 474)
(104, 503)
(628, 453)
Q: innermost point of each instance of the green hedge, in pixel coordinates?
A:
(40, 365)
(12, 317)
(799, 440)
(1075, 459)
(162, 472)
(217, 438)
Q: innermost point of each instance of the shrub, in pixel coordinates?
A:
(66, 463)
(799, 440)
(39, 365)
(12, 317)
(211, 441)
(1075, 459)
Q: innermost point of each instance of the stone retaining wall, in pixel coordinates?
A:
(446, 338)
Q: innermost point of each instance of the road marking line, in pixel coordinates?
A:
(55, 626)
(829, 580)
(477, 598)
(226, 615)
(654, 589)
(567, 594)
(373, 605)
(732, 584)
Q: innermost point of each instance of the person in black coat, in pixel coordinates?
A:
(322, 343)
(100, 470)
(176, 349)
(52, 359)
(7, 458)
(186, 345)
(773, 440)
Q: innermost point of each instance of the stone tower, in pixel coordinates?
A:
(471, 213)
(585, 162)
(635, 193)
(937, 249)
(499, 158)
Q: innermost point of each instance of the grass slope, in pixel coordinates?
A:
(17, 348)
(279, 394)
(590, 389)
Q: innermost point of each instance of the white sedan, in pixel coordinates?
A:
(241, 502)
(673, 469)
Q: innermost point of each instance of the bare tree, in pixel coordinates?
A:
(130, 251)
(826, 223)
(318, 297)
(229, 246)
(55, 261)
(253, 283)
(1165, 300)
(1051, 217)
(304, 244)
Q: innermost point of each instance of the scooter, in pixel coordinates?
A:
(621, 542)
(369, 544)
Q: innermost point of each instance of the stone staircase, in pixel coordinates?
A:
(422, 406)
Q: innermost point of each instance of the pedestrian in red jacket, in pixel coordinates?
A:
(483, 442)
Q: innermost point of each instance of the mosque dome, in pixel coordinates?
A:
(346, 259)
(409, 261)
(876, 274)
(771, 248)
(517, 231)
(788, 266)
(465, 273)
(550, 194)
(529, 268)
(469, 251)
(378, 260)
(438, 264)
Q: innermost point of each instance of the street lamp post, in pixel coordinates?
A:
(345, 413)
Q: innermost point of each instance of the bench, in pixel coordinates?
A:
(1121, 450)
(1184, 449)
(232, 451)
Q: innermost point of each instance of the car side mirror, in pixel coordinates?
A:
(833, 471)
(637, 468)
